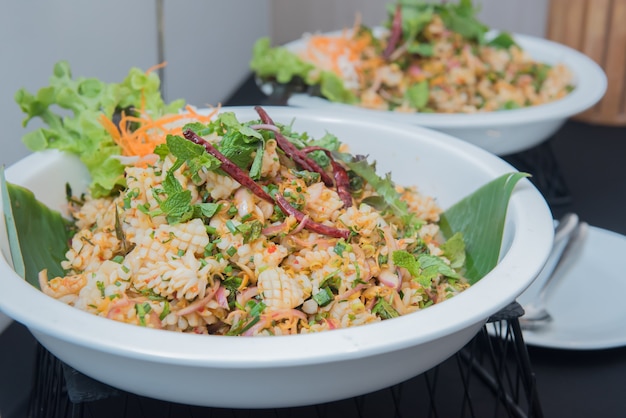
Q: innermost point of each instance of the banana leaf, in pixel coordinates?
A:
(38, 236)
(480, 218)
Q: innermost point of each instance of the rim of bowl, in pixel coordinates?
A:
(589, 78)
(526, 256)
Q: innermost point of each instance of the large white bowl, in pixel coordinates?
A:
(500, 132)
(304, 369)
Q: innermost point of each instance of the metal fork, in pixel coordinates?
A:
(536, 314)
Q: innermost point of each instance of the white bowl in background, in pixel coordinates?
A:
(282, 371)
(5, 321)
(500, 132)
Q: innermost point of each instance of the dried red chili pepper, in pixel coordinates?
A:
(342, 181)
(238, 174)
(396, 33)
(292, 152)
(308, 223)
(229, 167)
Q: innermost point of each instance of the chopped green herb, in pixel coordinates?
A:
(100, 286)
(384, 310)
(324, 296)
(166, 310)
(231, 251)
(142, 309)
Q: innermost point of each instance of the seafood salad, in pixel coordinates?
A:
(428, 57)
(235, 227)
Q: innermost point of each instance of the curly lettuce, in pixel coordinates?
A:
(283, 66)
(71, 110)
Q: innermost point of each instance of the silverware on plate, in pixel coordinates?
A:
(569, 236)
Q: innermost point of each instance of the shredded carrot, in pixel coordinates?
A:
(328, 51)
(149, 132)
(156, 67)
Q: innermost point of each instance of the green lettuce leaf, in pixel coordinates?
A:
(71, 110)
(332, 87)
(278, 63)
(284, 66)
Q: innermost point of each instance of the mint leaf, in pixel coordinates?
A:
(432, 266)
(250, 230)
(383, 186)
(328, 141)
(241, 144)
(206, 210)
(383, 309)
(199, 128)
(423, 49)
(162, 150)
(182, 149)
(454, 250)
(503, 40)
(416, 15)
(193, 154)
(461, 18)
(177, 205)
(402, 258)
(424, 268)
(418, 94)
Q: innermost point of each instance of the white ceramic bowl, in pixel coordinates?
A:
(501, 132)
(303, 369)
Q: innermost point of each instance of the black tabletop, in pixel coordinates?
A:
(579, 169)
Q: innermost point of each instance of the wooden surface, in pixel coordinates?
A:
(598, 29)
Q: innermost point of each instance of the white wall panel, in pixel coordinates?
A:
(98, 38)
(208, 46)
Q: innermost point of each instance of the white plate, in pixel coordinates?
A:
(587, 304)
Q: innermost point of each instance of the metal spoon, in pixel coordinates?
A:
(536, 314)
